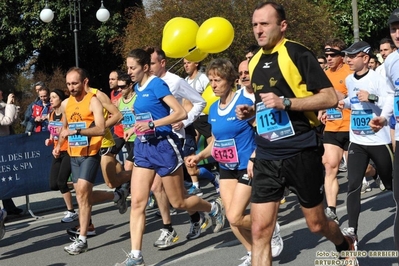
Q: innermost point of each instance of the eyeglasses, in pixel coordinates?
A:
(122, 86)
(353, 56)
(245, 72)
(331, 55)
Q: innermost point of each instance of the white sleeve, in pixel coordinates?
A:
(185, 91)
(9, 115)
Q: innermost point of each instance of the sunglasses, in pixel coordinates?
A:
(332, 55)
(122, 86)
(321, 62)
(245, 72)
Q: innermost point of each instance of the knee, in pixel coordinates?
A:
(178, 204)
(111, 184)
(234, 219)
(317, 227)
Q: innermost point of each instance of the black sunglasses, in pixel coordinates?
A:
(332, 55)
(122, 86)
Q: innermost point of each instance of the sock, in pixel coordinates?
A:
(83, 238)
(214, 209)
(90, 222)
(72, 210)
(196, 184)
(136, 253)
(195, 218)
(169, 227)
(333, 209)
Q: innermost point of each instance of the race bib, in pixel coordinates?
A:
(128, 119)
(148, 134)
(55, 128)
(273, 124)
(360, 122)
(333, 114)
(77, 140)
(225, 153)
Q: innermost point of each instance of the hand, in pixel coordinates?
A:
(48, 142)
(128, 133)
(341, 105)
(363, 95)
(11, 98)
(377, 123)
(250, 169)
(322, 116)
(244, 111)
(56, 152)
(178, 125)
(271, 100)
(141, 126)
(191, 165)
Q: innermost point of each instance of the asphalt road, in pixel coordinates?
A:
(30, 241)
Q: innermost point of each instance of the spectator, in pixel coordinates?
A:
(8, 114)
(40, 111)
(27, 123)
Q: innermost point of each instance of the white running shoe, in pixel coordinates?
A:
(277, 242)
(70, 217)
(246, 260)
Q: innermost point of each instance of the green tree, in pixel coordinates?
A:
(308, 23)
(373, 16)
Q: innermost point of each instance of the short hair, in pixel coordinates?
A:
(335, 42)
(151, 49)
(117, 71)
(45, 89)
(40, 84)
(388, 40)
(82, 72)
(142, 57)
(279, 10)
(322, 57)
(125, 77)
(253, 48)
(224, 69)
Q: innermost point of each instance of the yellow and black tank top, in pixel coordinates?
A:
(108, 139)
(289, 70)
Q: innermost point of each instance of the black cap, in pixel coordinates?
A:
(394, 17)
(358, 47)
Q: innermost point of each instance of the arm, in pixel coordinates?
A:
(9, 113)
(193, 160)
(111, 108)
(187, 92)
(177, 115)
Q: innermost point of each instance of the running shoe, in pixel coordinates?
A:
(246, 260)
(342, 166)
(132, 261)
(331, 215)
(193, 190)
(77, 247)
(365, 187)
(3, 215)
(195, 228)
(351, 238)
(166, 238)
(91, 231)
(277, 243)
(70, 217)
(379, 183)
(121, 202)
(218, 218)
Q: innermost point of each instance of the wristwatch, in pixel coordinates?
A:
(151, 125)
(287, 104)
(373, 98)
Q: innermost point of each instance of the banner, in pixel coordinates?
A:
(24, 164)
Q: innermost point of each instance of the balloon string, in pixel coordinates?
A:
(192, 50)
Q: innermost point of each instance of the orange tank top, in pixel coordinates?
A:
(80, 112)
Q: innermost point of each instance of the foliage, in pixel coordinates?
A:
(373, 16)
(309, 24)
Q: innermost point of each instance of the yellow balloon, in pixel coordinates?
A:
(179, 37)
(215, 35)
(210, 97)
(196, 56)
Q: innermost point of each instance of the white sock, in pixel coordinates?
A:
(83, 238)
(196, 184)
(135, 253)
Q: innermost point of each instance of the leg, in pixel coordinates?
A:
(84, 191)
(331, 159)
(141, 181)
(264, 217)
(162, 200)
(235, 197)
